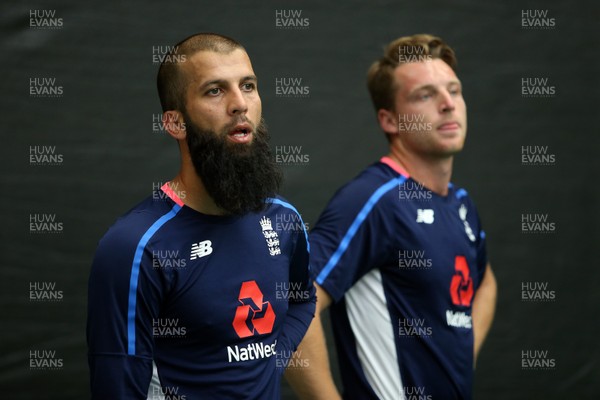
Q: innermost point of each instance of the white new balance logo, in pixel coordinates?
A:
(425, 216)
(201, 249)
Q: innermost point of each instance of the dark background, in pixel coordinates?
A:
(112, 158)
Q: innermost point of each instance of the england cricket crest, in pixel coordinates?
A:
(271, 236)
(462, 212)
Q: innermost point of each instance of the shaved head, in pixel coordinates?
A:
(171, 80)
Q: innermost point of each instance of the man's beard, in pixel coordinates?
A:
(239, 177)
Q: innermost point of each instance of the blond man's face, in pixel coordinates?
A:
(429, 108)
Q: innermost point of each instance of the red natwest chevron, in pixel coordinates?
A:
(256, 318)
(461, 286)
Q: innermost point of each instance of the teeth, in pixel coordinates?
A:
(240, 133)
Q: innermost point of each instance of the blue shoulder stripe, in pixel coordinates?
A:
(460, 193)
(135, 272)
(291, 207)
(358, 220)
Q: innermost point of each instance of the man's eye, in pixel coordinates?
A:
(248, 86)
(213, 91)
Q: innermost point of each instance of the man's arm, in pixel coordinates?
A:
(297, 322)
(120, 364)
(484, 306)
(314, 382)
(301, 304)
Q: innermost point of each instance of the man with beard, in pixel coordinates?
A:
(399, 253)
(198, 283)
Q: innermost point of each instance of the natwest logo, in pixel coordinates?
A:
(253, 316)
(461, 286)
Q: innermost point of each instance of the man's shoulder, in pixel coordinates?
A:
(279, 202)
(284, 215)
(460, 194)
(374, 183)
(129, 228)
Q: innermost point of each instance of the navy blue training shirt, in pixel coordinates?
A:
(215, 303)
(402, 265)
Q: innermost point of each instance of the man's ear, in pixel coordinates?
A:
(173, 123)
(388, 121)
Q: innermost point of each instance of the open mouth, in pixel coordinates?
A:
(238, 133)
(241, 134)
